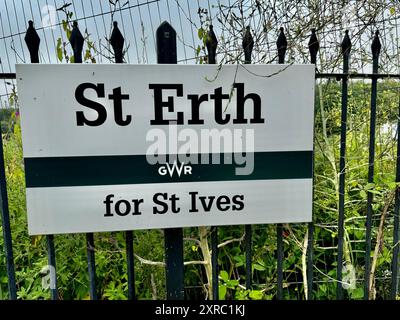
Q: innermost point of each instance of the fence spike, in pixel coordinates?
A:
(281, 44)
(117, 42)
(247, 44)
(211, 44)
(313, 46)
(173, 237)
(346, 44)
(166, 43)
(32, 41)
(376, 45)
(76, 39)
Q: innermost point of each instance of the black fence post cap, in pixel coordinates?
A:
(281, 44)
(117, 42)
(313, 46)
(346, 44)
(212, 40)
(211, 44)
(76, 39)
(32, 41)
(376, 45)
(166, 44)
(247, 44)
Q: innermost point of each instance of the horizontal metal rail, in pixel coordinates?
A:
(317, 75)
(339, 76)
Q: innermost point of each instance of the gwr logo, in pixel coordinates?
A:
(170, 169)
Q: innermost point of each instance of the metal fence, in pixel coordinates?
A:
(167, 53)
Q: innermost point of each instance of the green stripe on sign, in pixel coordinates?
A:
(113, 170)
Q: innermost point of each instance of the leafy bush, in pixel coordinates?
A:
(30, 252)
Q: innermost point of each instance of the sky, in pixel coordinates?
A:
(137, 19)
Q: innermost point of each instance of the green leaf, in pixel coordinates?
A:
(259, 267)
(224, 275)
(369, 186)
(357, 293)
(392, 11)
(363, 194)
(256, 294)
(68, 33)
(392, 185)
(200, 33)
(232, 284)
(65, 25)
(240, 260)
(59, 50)
(87, 55)
(374, 191)
(222, 291)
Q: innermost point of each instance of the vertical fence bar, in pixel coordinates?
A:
(211, 45)
(51, 258)
(130, 264)
(32, 41)
(91, 265)
(279, 239)
(214, 262)
(375, 48)
(346, 47)
(166, 54)
(248, 250)
(5, 219)
(396, 231)
(247, 45)
(310, 262)
(281, 44)
(313, 46)
(76, 40)
(117, 42)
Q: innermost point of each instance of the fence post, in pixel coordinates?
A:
(117, 42)
(247, 45)
(5, 219)
(76, 39)
(32, 41)
(211, 45)
(376, 49)
(396, 231)
(281, 44)
(166, 54)
(313, 47)
(346, 47)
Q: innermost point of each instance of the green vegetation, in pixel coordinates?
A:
(30, 252)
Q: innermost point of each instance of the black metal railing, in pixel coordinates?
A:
(166, 53)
